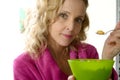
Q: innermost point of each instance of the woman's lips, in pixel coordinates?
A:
(67, 36)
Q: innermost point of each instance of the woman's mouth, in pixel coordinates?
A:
(67, 36)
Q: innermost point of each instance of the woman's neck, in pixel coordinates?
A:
(57, 50)
(61, 55)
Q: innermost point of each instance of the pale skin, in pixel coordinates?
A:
(65, 28)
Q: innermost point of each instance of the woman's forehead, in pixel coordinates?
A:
(73, 6)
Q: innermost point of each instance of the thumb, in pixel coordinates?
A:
(117, 26)
(71, 77)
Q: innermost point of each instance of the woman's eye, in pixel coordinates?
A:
(79, 20)
(63, 15)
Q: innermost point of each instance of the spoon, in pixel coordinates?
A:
(101, 32)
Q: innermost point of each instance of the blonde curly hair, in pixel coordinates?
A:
(37, 22)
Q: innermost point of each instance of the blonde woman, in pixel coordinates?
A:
(55, 31)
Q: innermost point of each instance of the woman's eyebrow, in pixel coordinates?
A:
(65, 11)
(81, 17)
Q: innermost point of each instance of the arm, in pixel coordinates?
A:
(112, 47)
(114, 75)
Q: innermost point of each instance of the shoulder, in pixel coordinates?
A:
(86, 46)
(23, 60)
(24, 67)
(87, 49)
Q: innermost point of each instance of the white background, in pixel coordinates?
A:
(102, 15)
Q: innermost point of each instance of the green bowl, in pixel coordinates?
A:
(91, 69)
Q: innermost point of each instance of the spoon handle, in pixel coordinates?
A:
(108, 31)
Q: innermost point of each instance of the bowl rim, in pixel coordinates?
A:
(91, 60)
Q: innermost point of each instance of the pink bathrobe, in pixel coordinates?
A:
(45, 67)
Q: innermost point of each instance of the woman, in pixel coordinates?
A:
(55, 31)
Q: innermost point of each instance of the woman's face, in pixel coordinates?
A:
(68, 23)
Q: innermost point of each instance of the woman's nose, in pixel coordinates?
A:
(70, 26)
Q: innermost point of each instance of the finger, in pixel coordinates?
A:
(117, 26)
(71, 77)
(114, 38)
(114, 42)
(115, 32)
(116, 51)
(109, 79)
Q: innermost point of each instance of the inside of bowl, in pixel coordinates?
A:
(91, 60)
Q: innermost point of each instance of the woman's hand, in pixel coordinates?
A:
(71, 77)
(112, 44)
